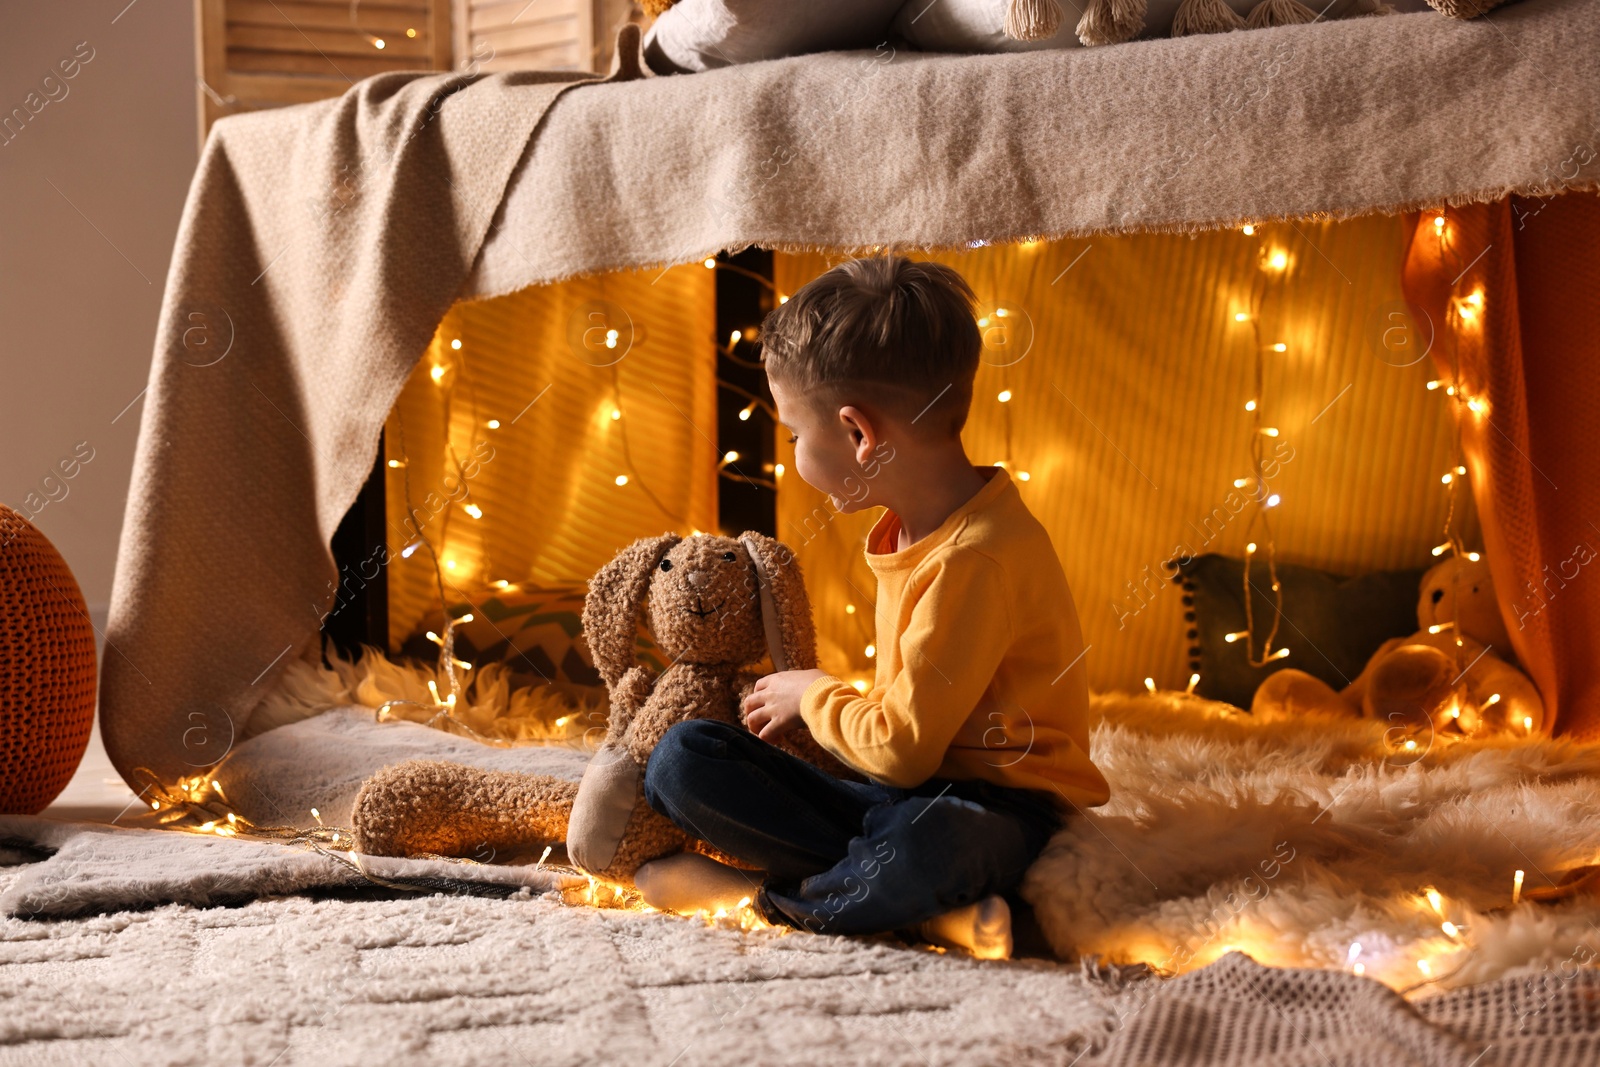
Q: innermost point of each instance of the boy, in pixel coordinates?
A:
(975, 735)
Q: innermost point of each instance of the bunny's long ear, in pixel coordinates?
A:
(785, 608)
(616, 597)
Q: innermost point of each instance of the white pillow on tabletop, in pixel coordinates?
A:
(696, 35)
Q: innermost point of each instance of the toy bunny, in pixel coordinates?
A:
(717, 605)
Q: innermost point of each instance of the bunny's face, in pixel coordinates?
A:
(705, 604)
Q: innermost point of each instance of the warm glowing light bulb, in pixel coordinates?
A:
(1278, 260)
(456, 343)
(859, 685)
(730, 456)
(1272, 501)
(1251, 547)
(1249, 405)
(1280, 347)
(1240, 316)
(734, 338)
(1435, 899)
(394, 463)
(1270, 431)
(1150, 684)
(1194, 680)
(1527, 723)
(1516, 887)
(1248, 230)
(1494, 698)
(494, 424)
(622, 479)
(870, 651)
(474, 510)
(1231, 638)
(1434, 385)
(378, 43)
(1023, 476)
(744, 412)
(1447, 478)
(711, 264)
(783, 299)
(849, 609)
(1438, 222)
(1439, 550)
(1005, 394)
(1425, 967)
(616, 413)
(411, 33)
(778, 470)
(1450, 929)
(436, 372)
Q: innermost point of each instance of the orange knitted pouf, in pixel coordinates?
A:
(47, 669)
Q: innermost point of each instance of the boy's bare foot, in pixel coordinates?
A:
(982, 928)
(688, 882)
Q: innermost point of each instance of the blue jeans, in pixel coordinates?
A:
(844, 857)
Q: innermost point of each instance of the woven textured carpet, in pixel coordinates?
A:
(464, 980)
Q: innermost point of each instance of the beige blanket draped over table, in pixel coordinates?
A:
(321, 244)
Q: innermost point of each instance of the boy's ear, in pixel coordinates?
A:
(864, 436)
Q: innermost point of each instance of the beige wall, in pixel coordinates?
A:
(91, 189)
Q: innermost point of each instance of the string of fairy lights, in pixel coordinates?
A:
(1273, 263)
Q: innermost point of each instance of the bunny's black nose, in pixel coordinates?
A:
(1438, 595)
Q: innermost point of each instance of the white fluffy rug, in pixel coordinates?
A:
(1297, 841)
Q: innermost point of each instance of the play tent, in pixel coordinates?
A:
(1102, 193)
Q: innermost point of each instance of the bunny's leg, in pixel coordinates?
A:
(454, 810)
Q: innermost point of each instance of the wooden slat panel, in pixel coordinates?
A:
(563, 57)
(527, 34)
(336, 16)
(352, 67)
(211, 51)
(276, 90)
(485, 18)
(335, 43)
(526, 37)
(253, 54)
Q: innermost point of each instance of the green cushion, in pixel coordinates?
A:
(1331, 624)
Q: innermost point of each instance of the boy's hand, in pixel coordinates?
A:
(773, 707)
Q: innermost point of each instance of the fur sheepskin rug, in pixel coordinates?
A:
(486, 706)
(1304, 842)
(1322, 843)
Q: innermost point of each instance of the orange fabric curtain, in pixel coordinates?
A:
(1511, 290)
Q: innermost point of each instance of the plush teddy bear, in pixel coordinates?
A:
(1424, 681)
(717, 606)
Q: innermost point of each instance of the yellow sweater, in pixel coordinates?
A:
(980, 669)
